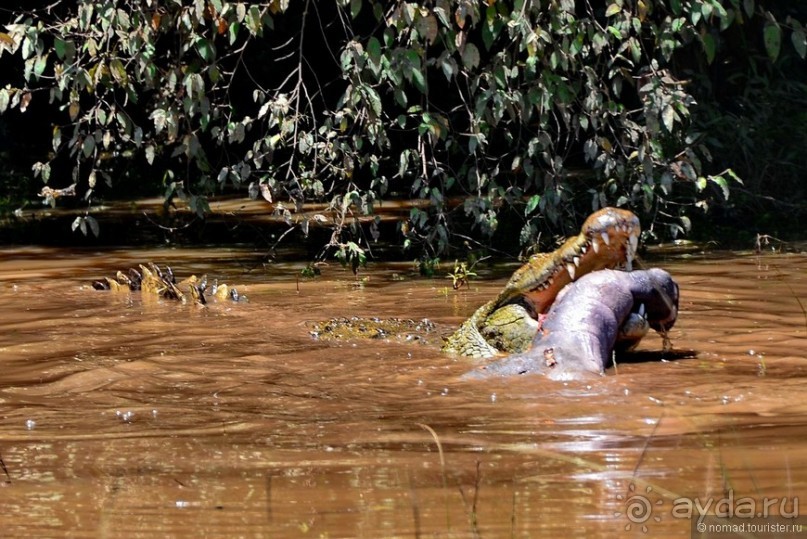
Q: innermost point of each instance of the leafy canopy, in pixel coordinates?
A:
(478, 108)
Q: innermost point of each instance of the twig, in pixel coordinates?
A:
(442, 467)
(297, 86)
(474, 514)
(413, 498)
(647, 444)
(439, 448)
(5, 470)
(793, 293)
(168, 228)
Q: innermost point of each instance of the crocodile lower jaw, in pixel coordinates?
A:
(614, 249)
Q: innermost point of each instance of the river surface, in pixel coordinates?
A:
(122, 417)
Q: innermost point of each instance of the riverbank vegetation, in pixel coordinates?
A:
(506, 121)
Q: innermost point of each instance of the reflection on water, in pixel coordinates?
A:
(127, 417)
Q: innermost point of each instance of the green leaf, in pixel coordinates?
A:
(799, 40)
(612, 10)
(93, 225)
(470, 56)
(400, 96)
(232, 32)
(427, 27)
(449, 67)
(118, 71)
(721, 182)
(88, 146)
(709, 47)
(40, 65)
(773, 39)
(374, 99)
(57, 138)
(419, 79)
(374, 51)
(532, 203)
(487, 36)
(355, 7)
(206, 49)
(59, 47)
(150, 154)
(748, 5)
(686, 222)
(734, 176)
(253, 20)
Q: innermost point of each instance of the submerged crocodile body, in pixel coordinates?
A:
(589, 319)
(508, 323)
(400, 329)
(151, 280)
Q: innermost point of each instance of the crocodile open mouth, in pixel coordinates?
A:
(609, 238)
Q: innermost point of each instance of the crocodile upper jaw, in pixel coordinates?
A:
(611, 245)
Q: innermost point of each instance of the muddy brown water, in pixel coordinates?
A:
(122, 417)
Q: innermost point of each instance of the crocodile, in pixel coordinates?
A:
(356, 327)
(508, 323)
(595, 315)
(152, 280)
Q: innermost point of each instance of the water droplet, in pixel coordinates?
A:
(751, 352)
(182, 504)
(493, 397)
(444, 392)
(154, 413)
(627, 391)
(30, 424)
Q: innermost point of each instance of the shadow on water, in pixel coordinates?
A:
(127, 417)
(644, 356)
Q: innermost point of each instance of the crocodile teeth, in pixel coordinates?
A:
(642, 310)
(576, 261)
(634, 243)
(583, 249)
(570, 268)
(595, 245)
(606, 238)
